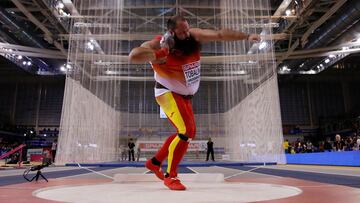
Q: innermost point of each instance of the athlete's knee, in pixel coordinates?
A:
(190, 131)
(182, 131)
(191, 134)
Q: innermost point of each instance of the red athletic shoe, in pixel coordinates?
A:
(174, 184)
(155, 169)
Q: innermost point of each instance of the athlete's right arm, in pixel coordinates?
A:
(149, 51)
(145, 53)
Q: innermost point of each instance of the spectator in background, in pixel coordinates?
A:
(286, 146)
(339, 144)
(327, 145)
(292, 149)
(357, 144)
(309, 147)
(303, 147)
(210, 150)
(298, 147)
(349, 144)
(131, 149)
(53, 150)
(354, 139)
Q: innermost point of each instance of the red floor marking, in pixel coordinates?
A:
(313, 192)
(22, 193)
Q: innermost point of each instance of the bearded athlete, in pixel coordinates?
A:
(175, 58)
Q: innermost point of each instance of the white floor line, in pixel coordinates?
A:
(112, 178)
(98, 173)
(243, 172)
(84, 174)
(193, 170)
(248, 171)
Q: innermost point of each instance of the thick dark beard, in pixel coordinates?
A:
(186, 46)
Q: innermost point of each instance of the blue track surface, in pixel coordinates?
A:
(182, 164)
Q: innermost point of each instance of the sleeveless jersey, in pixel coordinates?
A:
(180, 74)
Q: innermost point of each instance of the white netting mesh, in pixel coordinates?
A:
(90, 123)
(253, 125)
(107, 100)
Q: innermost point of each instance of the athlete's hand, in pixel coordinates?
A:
(161, 53)
(254, 38)
(167, 40)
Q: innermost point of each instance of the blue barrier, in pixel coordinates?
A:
(351, 158)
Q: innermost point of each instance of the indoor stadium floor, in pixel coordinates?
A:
(314, 183)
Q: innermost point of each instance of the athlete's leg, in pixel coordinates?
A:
(179, 111)
(154, 164)
(168, 104)
(161, 155)
(170, 107)
(179, 145)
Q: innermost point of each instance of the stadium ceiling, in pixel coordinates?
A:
(34, 34)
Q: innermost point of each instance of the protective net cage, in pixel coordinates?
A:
(108, 100)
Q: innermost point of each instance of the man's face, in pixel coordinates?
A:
(182, 30)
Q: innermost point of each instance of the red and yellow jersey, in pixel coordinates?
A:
(180, 74)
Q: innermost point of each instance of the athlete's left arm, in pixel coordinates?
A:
(206, 35)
